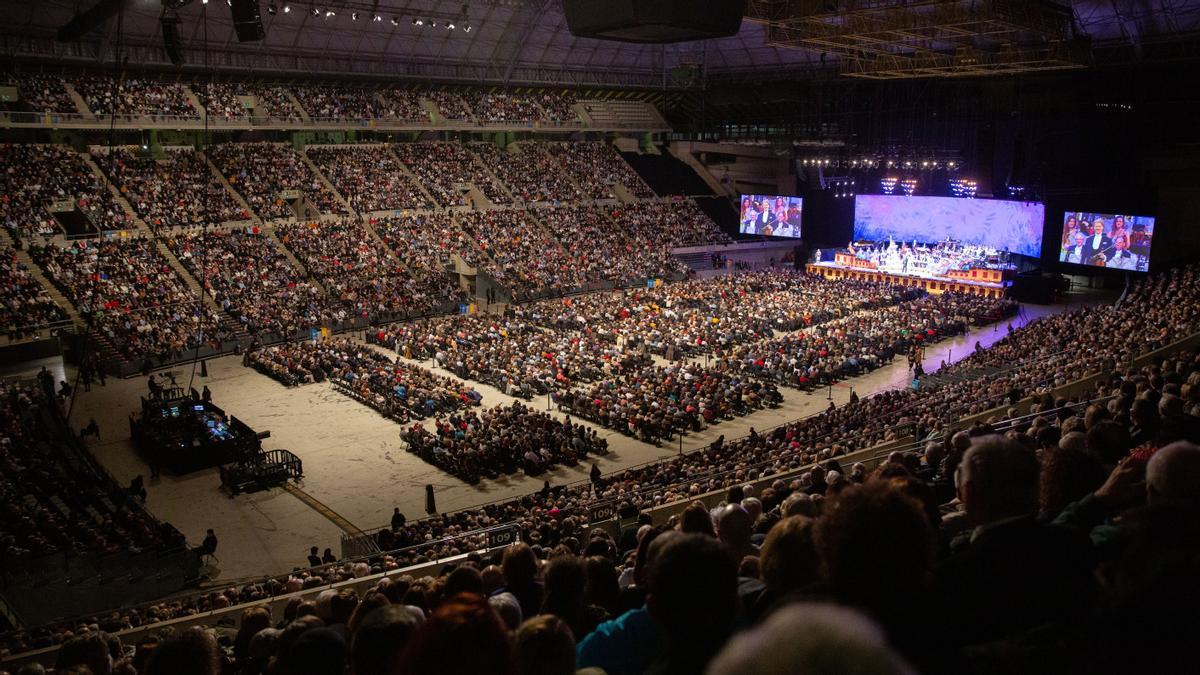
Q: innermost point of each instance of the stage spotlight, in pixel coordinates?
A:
(418, 22)
(449, 26)
(330, 13)
(354, 16)
(316, 11)
(377, 18)
(229, 3)
(467, 29)
(433, 24)
(287, 8)
(271, 9)
(395, 21)
(204, 2)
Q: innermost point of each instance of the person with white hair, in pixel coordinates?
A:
(810, 638)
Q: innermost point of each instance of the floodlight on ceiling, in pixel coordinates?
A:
(316, 11)
(449, 26)
(354, 16)
(395, 21)
(377, 18)
(287, 8)
(271, 9)
(467, 29)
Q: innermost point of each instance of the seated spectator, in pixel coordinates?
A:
(811, 638)
(987, 583)
(545, 646)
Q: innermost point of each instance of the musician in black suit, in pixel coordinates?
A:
(1097, 243)
(764, 223)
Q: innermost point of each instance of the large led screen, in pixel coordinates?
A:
(1107, 240)
(771, 215)
(1010, 226)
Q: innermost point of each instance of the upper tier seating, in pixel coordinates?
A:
(135, 96)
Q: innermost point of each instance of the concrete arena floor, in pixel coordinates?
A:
(355, 463)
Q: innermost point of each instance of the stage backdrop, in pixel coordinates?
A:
(1015, 227)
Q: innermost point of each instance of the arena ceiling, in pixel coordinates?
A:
(510, 42)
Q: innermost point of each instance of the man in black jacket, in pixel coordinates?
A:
(1015, 573)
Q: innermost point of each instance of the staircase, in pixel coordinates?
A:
(683, 154)
(412, 176)
(196, 105)
(668, 175)
(487, 171)
(623, 194)
(296, 104)
(51, 290)
(287, 253)
(435, 116)
(325, 181)
(236, 195)
(112, 189)
(81, 105)
(192, 283)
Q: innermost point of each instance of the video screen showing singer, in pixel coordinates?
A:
(1107, 240)
(771, 215)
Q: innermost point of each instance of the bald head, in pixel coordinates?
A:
(1173, 474)
(734, 525)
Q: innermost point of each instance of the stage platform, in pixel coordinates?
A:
(987, 282)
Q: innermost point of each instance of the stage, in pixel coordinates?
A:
(987, 282)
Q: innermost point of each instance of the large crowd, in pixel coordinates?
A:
(516, 357)
(595, 167)
(362, 275)
(526, 257)
(134, 96)
(403, 104)
(252, 280)
(128, 291)
(502, 440)
(1006, 575)
(398, 390)
(369, 177)
(426, 242)
(26, 305)
(530, 176)
(446, 170)
(34, 176)
(41, 93)
(227, 100)
(829, 352)
(341, 103)
(177, 191)
(53, 500)
(263, 172)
